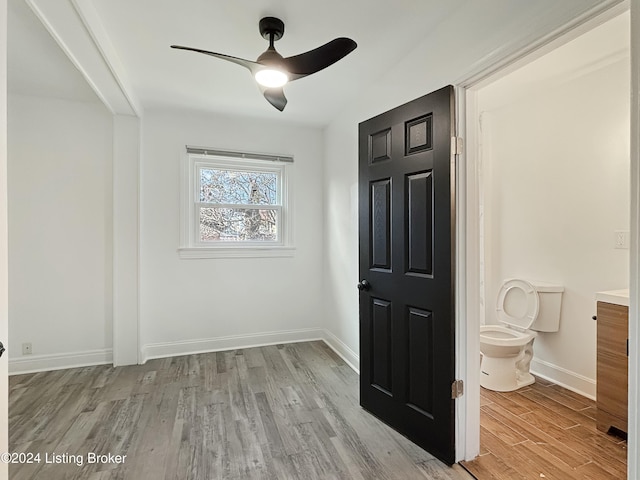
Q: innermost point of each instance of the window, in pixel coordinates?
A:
(235, 204)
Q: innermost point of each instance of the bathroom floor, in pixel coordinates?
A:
(544, 431)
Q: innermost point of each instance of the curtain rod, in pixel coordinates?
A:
(228, 153)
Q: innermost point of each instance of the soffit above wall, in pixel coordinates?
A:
(36, 65)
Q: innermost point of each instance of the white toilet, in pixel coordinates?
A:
(522, 308)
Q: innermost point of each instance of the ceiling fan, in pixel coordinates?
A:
(272, 71)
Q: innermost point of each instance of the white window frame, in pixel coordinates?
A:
(194, 159)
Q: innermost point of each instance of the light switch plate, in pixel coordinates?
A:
(621, 239)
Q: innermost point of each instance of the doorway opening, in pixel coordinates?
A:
(553, 173)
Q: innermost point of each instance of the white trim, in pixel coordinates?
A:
(199, 162)
(573, 381)
(91, 19)
(190, 246)
(633, 439)
(467, 278)
(232, 342)
(236, 252)
(350, 357)
(59, 361)
(4, 265)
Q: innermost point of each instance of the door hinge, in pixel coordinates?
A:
(457, 389)
(457, 144)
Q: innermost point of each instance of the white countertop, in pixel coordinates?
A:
(617, 297)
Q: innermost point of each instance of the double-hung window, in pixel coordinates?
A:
(236, 205)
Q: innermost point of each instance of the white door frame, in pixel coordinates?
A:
(469, 255)
(4, 265)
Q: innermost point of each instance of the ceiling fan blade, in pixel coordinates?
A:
(275, 96)
(317, 59)
(252, 66)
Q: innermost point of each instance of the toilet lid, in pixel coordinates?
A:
(518, 304)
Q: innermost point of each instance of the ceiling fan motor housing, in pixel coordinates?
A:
(271, 26)
(270, 57)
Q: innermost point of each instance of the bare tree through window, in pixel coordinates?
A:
(238, 206)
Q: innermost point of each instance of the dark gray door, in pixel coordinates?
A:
(406, 223)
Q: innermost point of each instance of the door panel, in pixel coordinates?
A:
(381, 224)
(381, 326)
(419, 134)
(380, 146)
(420, 223)
(406, 256)
(420, 360)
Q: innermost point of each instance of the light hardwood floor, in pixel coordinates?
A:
(278, 412)
(544, 431)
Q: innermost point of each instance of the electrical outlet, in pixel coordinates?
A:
(621, 239)
(27, 349)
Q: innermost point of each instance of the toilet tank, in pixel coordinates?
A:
(550, 296)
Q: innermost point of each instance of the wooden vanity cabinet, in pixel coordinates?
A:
(612, 362)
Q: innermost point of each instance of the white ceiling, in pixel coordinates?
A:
(122, 48)
(36, 65)
(141, 32)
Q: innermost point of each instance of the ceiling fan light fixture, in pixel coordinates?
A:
(271, 77)
(272, 71)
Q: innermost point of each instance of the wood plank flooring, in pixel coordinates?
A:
(544, 431)
(278, 412)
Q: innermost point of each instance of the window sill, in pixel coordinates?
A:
(236, 252)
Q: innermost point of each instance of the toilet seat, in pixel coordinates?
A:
(504, 336)
(518, 304)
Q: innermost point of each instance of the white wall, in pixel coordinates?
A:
(59, 229)
(557, 187)
(126, 185)
(466, 42)
(189, 304)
